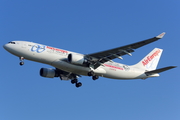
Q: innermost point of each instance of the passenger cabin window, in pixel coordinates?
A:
(12, 42)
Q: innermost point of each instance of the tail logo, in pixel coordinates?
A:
(151, 57)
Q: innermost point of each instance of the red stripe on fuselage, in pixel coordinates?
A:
(56, 49)
(113, 67)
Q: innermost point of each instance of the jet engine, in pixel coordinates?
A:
(48, 72)
(77, 59)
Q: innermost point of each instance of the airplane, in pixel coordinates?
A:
(70, 65)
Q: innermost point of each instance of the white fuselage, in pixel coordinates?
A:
(58, 59)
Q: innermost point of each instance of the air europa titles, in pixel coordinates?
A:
(56, 50)
(150, 58)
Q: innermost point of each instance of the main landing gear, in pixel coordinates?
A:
(77, 84)
(94, 77)
(22, 61)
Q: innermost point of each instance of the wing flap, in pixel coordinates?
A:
(67, 75)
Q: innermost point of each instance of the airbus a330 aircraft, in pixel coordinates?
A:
(70, 65)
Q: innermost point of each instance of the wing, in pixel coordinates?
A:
(101, 57)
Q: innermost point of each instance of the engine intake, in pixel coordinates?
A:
(48, 72)
(77, 59)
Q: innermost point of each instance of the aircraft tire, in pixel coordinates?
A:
(91, 73)
(21, 63)
(74, 81)
(79, 84)
(95, 77)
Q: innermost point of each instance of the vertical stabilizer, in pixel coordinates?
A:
(150, 62)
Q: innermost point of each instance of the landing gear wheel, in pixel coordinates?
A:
(91, 73)
(79, 84)
(95, 77)
(21, 63)
(74, 81)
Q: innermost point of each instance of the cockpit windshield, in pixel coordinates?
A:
(11, 42)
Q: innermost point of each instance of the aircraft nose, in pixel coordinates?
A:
(5, 46)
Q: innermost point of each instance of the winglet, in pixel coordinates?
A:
(161, 35)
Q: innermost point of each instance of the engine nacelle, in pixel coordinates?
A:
(77, 59)
(47, 72)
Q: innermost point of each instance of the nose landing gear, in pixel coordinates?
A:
(22, 61)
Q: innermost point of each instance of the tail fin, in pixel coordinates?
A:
(150, 62)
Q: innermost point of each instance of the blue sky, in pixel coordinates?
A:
(87, 27)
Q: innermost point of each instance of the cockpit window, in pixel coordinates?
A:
(12, 42)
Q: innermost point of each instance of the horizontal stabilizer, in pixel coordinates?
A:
(159, 70)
